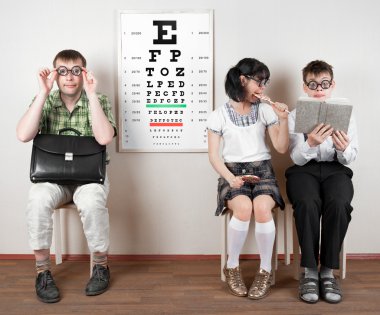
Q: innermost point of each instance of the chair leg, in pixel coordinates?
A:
(342, 261)
(223, 257)
(91, 262)
(275, 248)
(276, 238)
(296, 253)
(57, 236)
(286, 234)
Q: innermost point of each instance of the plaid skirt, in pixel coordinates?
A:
(266, 186)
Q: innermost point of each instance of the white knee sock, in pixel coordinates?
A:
(265, 234)
(237, 233)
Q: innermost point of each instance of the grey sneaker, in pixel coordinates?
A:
(99, 281)
(46, 289)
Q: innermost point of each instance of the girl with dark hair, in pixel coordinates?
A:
(247, 182)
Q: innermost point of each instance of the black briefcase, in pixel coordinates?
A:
(67, 160)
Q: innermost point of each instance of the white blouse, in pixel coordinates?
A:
(243, 144)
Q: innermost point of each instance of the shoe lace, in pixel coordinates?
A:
(261, 279)
(46, 279)
(236, 279)
(97, 273)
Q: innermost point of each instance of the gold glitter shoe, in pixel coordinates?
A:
(261, 285)
(235, 281)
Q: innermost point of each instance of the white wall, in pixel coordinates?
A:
(163, 203)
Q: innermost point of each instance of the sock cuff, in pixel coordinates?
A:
(326, 272)
(238, 225)
(43, 262)
(324, 268)
(311, 272)
(43, 265)
(267, 227)
(100, 260)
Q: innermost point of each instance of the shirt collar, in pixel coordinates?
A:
(55, 98)
(255, 103)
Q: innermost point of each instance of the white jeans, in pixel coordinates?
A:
(90, 200)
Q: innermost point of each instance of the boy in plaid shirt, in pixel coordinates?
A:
(77, 105)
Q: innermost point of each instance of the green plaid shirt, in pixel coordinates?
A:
(55, 115)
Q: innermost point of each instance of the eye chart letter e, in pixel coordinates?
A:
(165, 80)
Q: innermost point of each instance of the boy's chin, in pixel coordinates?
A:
(319, 97)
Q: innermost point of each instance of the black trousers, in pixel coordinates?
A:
(321, 194)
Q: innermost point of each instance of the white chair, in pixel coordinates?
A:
(296, 253)
(225, 219)
(58, 232)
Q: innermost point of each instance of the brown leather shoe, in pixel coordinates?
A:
(261, 285)
(235, 281)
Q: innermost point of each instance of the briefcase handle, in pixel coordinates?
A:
(69, 129)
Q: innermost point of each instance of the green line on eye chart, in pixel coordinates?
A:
(165, 105)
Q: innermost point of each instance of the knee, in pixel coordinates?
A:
(243, 211)
(307, 201)
(41, 193)
(90, 198)
(338, 207)
(263, 214)
(307, 207)
(41, 201)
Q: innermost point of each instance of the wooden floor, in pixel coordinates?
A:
(179, 287)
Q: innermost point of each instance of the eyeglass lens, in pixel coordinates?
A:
(76, 70)
(325, 84)
(261, 83)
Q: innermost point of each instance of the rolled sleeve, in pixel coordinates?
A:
(106, 106)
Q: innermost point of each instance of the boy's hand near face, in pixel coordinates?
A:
(340, 140)
(46, 78)
(319, 135)
(89, 82)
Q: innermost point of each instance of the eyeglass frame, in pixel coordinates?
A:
(319, 84)
(69, 71)
(260, 83)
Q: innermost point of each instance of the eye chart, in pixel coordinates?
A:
(165, 80)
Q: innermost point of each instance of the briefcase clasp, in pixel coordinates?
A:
(69, 156)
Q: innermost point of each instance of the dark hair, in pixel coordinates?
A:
(317, 67)
(246, 66)
(69, 55)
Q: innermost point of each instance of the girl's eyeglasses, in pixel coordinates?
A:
(260, 83)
